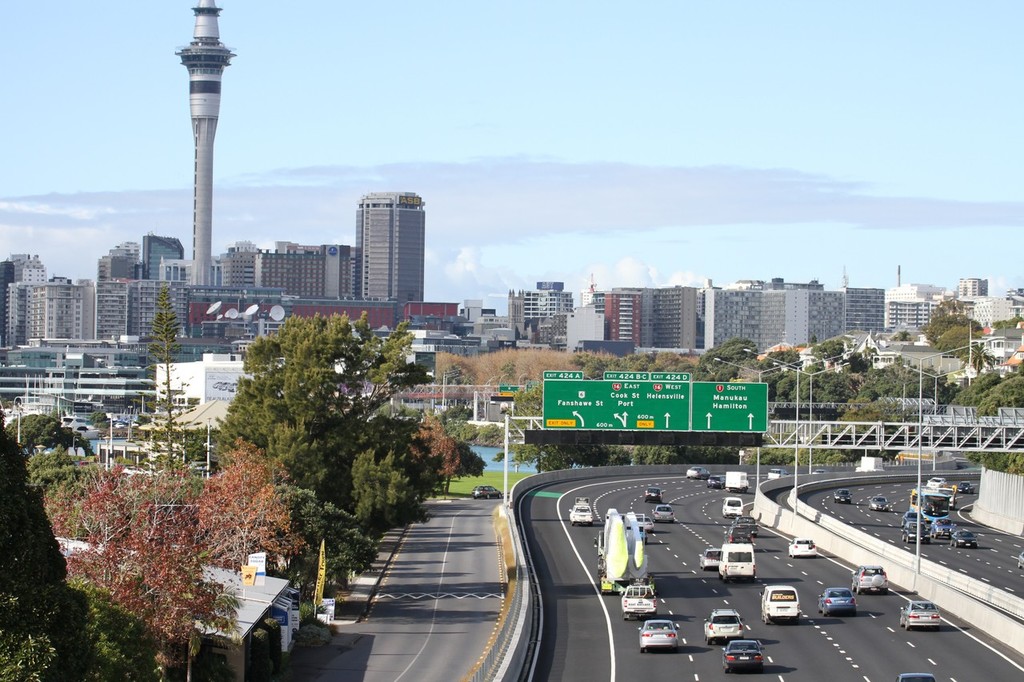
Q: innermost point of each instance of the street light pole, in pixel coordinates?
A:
(207, 448)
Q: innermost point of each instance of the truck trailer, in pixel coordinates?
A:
(621, 556)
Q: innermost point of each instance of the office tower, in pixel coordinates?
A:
(238, 265)
(155, 249)
(390, 236)
(6, 278)
(111, 309)
(121, 263)
(675, 318)
(205, 58)
(142, 295)
(629, 315)
(865, 309)
(323, 271)
(28, 268)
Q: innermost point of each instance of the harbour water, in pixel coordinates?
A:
(488, 454)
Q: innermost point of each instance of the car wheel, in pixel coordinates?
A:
(643, 650)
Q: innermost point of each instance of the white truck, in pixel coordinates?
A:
(869, 464)
(581, 513)
(621, 555)
(736, 481)
(639, 601)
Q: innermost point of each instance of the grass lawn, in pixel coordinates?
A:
(462, 487)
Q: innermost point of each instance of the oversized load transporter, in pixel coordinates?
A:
(621, 559)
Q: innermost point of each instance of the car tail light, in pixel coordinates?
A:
(711, 627)
(730, 657)
(670, 635)
(757, 657)
(828, 601)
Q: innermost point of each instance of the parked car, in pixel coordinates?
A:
(698, 473)
(963, 538)
(486, 492)
(716, 481)
(942, 528)
(879, 503)
(743, 654)
(837, 600)
(965, 488)
(802, 547)
(710, 558)
(912, 530)
(652, 494)
(663, 513)
(723, 625)
(658, 634)
(920, 614)
(842, 496)
(869, 578)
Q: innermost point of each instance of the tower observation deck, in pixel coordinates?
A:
(205, 58)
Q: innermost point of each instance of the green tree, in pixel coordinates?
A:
(313, 401)
(123, 648)
(946, 316)
(42, 621)
(164, 350)
(1007, 393)
(54, 469)
(45, 430)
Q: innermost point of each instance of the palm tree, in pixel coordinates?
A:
(980, 358)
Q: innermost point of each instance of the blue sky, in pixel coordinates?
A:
(646, 144)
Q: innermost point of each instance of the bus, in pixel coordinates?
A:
(935, 504)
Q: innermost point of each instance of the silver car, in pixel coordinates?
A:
(920, 614)
(658, 634)
(723, 625)
(879, 503)
(869, 579)
(663, 514)
(712, 556)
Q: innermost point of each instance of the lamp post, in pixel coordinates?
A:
(920, 439)
(19, 407)
(810, 409)
(796, 439)
(208, 447)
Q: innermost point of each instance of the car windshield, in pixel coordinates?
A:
(713, 553)
(837, 593)
(743, 646)
(721, 620)
(872, 571)
(965, 534)
(923, 606)
(659, 626)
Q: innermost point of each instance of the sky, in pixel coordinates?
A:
(659, 143)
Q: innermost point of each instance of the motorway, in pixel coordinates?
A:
(994, 561)
(585, 638)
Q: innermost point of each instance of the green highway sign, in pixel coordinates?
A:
(507, 389)
(627, 376)
(617, 405)
(729, 406)
(670, 376)
(562, 375)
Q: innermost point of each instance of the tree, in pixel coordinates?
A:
(164, 350)
(349, 550)
(44, 430)
(948, 315)
(53, 469)
(42, 621)
(1008, 393)
(240, 512)
(313, 403)
(123, 648)
(146, 548)
(457, 459)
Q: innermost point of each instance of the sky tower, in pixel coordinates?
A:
(205, 58)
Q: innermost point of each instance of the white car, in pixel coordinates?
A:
(645, 522)
(936, 482)
(581, 514)
(802, 547)
(777, 473)
(710, 558)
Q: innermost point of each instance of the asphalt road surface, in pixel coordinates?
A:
(585, 638)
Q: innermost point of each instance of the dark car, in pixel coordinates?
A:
(743, 654)
(842, 495)
(912, 529)
(963, 538)
(715, 481)
(746, 521)
(837, 600)
(965, 488)
(486, 492)
(915, 677)
(652, 494)
(738, 536)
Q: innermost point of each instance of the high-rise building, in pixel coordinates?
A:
(142, 296)
(60, 309)
(155, 249)
(971, 287)
(323, 271)
(205, 58)
(28, 268)
(910, 305)
(6, 279)
(121, 263)
(865, 309)
(111, 309)
(390, 246)
(628, 314)
(238, 265)
(675, 318)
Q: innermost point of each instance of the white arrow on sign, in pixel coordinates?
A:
(580, 417)
(750, 418)
(709, 420)
(667, 415)
(622, 418)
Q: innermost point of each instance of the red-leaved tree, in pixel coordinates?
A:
(145, 546)
(240, 512)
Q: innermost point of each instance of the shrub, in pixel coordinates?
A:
(313, 634)
(259, 657)
(273, 629)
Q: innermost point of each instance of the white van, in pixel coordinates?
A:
(780, 602)
(732, 507)
(737, 562)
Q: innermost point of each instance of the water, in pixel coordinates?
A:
(488, 454)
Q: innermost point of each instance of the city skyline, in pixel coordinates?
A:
(724, 143)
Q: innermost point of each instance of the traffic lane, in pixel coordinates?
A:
(435, 609)
(994, 561)
(574, 641)
(788, 655)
